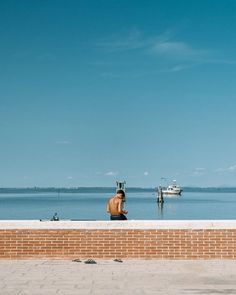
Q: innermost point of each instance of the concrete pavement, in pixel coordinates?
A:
(40, 277)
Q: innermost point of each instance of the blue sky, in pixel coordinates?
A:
(94, 91)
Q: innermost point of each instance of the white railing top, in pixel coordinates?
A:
(109, 225)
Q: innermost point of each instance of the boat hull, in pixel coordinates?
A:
(172, 193)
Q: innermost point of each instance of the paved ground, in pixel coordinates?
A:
(111, 278)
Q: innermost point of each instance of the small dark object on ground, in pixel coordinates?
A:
(77, 260)
(118, 260)
(90, 261)
(55, 217)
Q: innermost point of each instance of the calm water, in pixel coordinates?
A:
(139, 205)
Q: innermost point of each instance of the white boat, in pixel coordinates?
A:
(172, 189)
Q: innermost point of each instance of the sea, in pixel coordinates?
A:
(140, 205)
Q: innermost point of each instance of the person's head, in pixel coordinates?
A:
(120, 194)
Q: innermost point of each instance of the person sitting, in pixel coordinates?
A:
(115, 206)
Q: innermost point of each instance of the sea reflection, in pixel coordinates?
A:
(160, 211)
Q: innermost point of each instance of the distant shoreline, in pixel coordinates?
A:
(108, 190)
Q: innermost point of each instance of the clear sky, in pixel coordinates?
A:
(94, 91)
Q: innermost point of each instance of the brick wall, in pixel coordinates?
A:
(118, 243)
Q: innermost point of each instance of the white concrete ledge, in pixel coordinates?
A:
(130, 224)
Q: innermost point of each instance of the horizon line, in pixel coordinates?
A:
(107, 187)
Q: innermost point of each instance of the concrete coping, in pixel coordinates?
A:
(109, 225)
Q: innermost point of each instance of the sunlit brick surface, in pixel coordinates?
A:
(118, 243)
